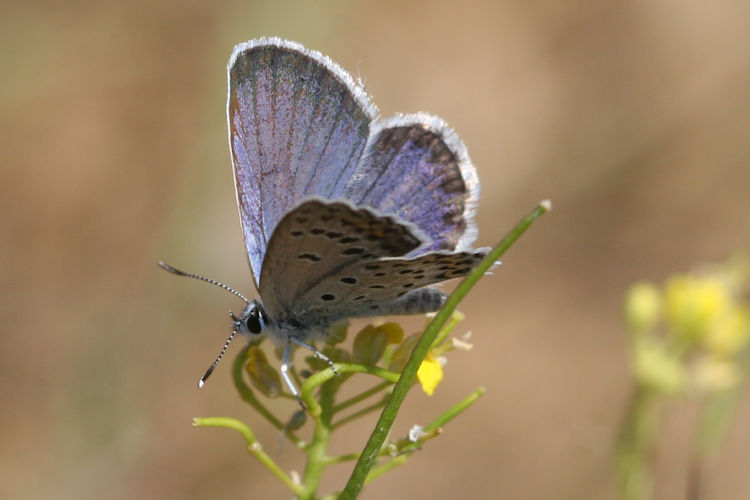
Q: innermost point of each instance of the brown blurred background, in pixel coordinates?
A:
(633, 117)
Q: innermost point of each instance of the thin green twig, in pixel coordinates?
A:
(390, 464)
(253, 446)
(634, 445)
(362, 396)
(347, 457)
(316, 379)
(377, 438)
(359, 413)
(455, 410)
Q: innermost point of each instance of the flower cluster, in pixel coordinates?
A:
(689, 334)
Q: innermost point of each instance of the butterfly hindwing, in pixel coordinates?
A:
(386, 286)
(329, 260)
(320, 240)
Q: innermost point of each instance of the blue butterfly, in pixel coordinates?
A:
(345, 214)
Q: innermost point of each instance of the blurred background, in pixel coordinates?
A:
(633, 117)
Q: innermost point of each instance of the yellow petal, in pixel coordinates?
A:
(430, 374)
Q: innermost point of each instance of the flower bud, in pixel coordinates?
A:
(263, 376)
(296, 421)
(642, 305)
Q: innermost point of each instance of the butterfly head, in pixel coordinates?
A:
(252, 321)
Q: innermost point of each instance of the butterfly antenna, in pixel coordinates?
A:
(176, 271)
(216, 362)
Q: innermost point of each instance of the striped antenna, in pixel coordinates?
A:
(176, 271)
(236, 320)
(211, 368)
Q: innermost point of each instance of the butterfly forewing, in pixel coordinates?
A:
(298, 125)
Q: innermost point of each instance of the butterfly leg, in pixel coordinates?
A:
(286, 364)
(315, 352)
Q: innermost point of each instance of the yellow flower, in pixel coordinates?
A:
(642, 307)
(729, 332)
(693, 303)
(430, 373)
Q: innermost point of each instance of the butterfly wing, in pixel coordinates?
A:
(329, 259)
(298, 124)
(417, 168)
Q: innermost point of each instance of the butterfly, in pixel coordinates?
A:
(344, 214)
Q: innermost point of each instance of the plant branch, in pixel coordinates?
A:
(253, 446)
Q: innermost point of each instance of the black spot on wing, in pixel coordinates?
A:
(309, 256)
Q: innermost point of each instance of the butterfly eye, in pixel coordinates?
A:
(253, 322)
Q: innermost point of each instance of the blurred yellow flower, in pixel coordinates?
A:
(729, 332)
(642, 307)
(692, 303)
(705, 326)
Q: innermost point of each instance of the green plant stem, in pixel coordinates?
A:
(316, 379)
(253, 446)
(247, 395)
(389, 465)
(316, 453)
(348, 457)
(377, 438)
(362, 396)
(429, 429)
(455, 410)
(359, 413)
(635, 445)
